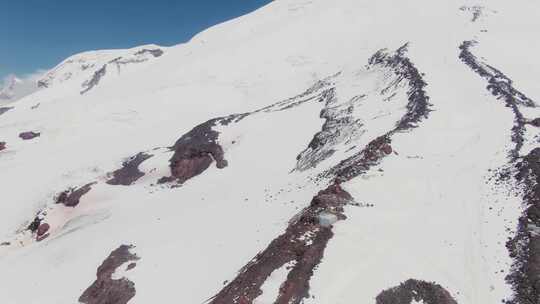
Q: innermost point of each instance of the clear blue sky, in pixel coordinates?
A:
(38, 34)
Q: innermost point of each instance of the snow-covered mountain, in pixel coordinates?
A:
(13, 88)
(313, 151)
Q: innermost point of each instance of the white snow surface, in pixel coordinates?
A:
(436, 215)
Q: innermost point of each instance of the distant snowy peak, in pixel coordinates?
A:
(7, 91)
(14, 88)
(89, 68)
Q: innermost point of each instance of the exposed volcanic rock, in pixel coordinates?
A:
(418, 106)
(129, 173)
(3, 145)
(72, 196)
(4, 109)
(42, 231)
(316, 92)
(535, 122)
(105, 289)
(153, 52)
(29, 135)
(195, 151)
(525, 246)
(34, 225)
(414, 291)
(302, 244)
(501, 87)
(137, 57)
(94, 81)
(305, 239)
(340, 125)
(363, 161)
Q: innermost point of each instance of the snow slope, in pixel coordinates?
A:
(322, 152)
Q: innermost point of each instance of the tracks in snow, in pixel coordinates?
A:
(524, 247)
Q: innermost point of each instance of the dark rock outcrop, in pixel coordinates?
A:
(301, 247)
(42, 232)
(535, 122)
(195, 151)
(418, 291)
(4, 109)
(502, 88)
(105, 289)
(3, 145)
(524, 248)
(418, 106)
(129, 173)
(72, 196)
(153, 52)
(34, 225)
(340, 124)
(29, 135)
(94, 81)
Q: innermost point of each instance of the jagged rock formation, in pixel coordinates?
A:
(107, 289)
(525, 246)
(118, 62)
(72, 196)
(195, 151)
(302, 245)
(394, 163)
(501, 87)
(415, 291)
(129, 173)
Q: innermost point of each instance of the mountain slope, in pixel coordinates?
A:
(309, 152)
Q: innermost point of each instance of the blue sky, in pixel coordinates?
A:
(38, 34)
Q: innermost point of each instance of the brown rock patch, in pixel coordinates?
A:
(72, 196)
(302, 244)
(129, 173)
(414, 290)
(106, 290)
(195, 151)
(29, 135)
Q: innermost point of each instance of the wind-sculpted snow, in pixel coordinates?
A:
(418, 101)
(415, 291)
(345, 121)
(418, 108)
(108, 288)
